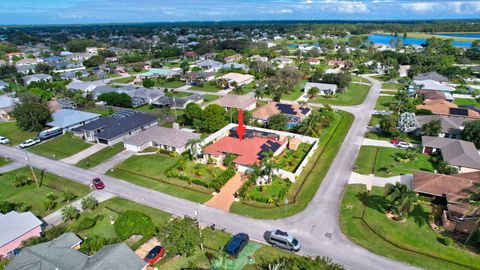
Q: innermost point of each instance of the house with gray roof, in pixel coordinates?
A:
(210, 65)
(170, 139)
(177, 102)
(67, 119)
(28, 79)
(71, 75)
(62, 253)
(434, 76)
(86, 87)
(7, 104)
(451, 126)
(3, 85)
(17, 227)
(116, 127)
(458, 153)
(325, 88)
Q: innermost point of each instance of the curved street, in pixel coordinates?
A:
(317, 226)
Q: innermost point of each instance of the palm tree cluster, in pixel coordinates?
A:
(402, 199)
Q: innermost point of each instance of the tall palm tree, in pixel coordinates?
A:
(69, 213)
(402, 198)
(259, 93)
(192, 145)
(473, 200)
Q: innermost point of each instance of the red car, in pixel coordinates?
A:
(97, 183)
(154, 255)
(394, 141)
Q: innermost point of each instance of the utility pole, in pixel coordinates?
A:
(31, 168)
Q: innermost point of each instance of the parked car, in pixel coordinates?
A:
(97, 183)
(50, 133)
(402, 145)
(282, 239)
(29, 142)
(4, 140)
(154, 255)
(394, 141)
(236, 244)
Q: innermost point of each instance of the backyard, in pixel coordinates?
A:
(289, 159)
(149, 171)
(11, 131)
(383, 162)
(33, 198)
(60, 147)
(355, 94)
(100, 156)
(306, 185)
(407, 240)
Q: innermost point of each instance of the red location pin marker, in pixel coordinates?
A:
(240, 127)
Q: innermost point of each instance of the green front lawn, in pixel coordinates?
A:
(177, 94)
(297, 91)
(378, 160)
(383, 103)
(360, 79)
(380, 77)
(100, 156)
(414, 234)
(210, 98)
(11, 131)
(191, 170)
(355, 94)
(4, 161)
(382, 136)
(32, 197)
(466, 101)
(305, 187)
(124, 80)
(210, 86)
(168, 84)
(395, 86)
(149, 171)
(274, 192)
(374, 120)
(60, 147)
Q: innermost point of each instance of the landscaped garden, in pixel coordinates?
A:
(60, 147)
(194, 172)
(149, 171)
(289, 159)
(412, 240)
(19, 190)
(100, 156)
(11, 131)
(386, 162)
(306, 185)
(354, 94)
(274, 192)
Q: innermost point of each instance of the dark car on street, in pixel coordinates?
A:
(154, 255)
(236, 244)
(97, 183)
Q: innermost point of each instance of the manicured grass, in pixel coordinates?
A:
(355, 94)
(297, 91)
(149, 171)
(124, 80)
(413, 234)
(60, 147)
(177, 94)
(33, 197)
(380, 78)
(193, 170)
(210, 86)
(110, 210)
(4, 161)
(382, 136)
(383, 103)
(289, 159)
(11, 131)
(376, 160)
(274, 192)
(100, 156)
(360, 79)
(305, 187)
(210, 98)
(172, 84)
(375, 120)
(396, 86)
(466, 101)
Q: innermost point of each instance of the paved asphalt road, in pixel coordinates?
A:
(317, 227)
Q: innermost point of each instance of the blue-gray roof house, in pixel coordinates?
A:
(61, 253)
(3, 85)
(233, 65)
(69, 119)
(113, 129)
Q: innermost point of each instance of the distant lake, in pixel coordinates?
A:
(460, 35)
(385, 40)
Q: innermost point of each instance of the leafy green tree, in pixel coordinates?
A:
(281, 83)
(402, 198)
(116, 99)
(313, 92)
(193, 111)
(278, 122)
(214, 118)
(31, 116)
(69, 213)
(181, 236)
(89, 203)
(79, 45)
(185, 66)
(388, 124)
(473, 53)
(473, 200)
(93, 244)
(444, 168)
(94, 61)
(432, 128)
(132, 222)
(148, 83)
(471, 132)
(43, 68)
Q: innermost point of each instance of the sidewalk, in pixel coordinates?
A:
(224, 199)
(380, 143)
(375, 181)
(11, 166)
(112, 162)
(84, 154)
(55, 218)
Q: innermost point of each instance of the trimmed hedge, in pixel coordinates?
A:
(133, 222)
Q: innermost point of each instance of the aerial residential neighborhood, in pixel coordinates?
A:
(256, 135)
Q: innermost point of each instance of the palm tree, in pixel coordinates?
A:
(309, 127)
(192, 144)
(473, 200)
(69, 213)
(259, 93)
(89, 203)
(402, 198)
(268, 164)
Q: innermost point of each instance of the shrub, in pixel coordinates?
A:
(93, 244)
(89, 203)
(87, 223)
(218, 182)
(20, 181)
(133, 222)
(6, 207)
(68, 196)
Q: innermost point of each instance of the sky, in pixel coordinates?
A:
(124, 11)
